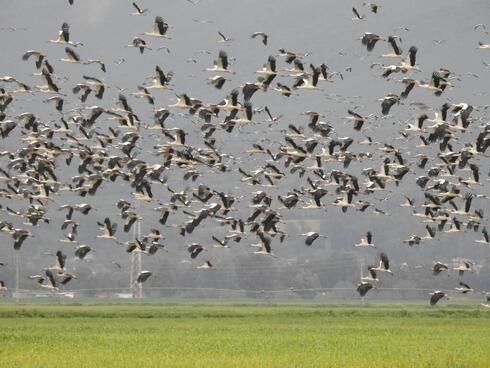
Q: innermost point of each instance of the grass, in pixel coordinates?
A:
(243, 335)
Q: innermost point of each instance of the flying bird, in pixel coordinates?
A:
(357, 119)
(64, 36)
(139, 11)
(312, 236)
(223, 38)
(369, 40)
(217, 81)
(364, 287)
(367, 241)
(439, 267)
(206, 266)
(464, 288)
(261, 35)
(39, 57)
(384, 264)
(109, 229)
(464, 266)
(194, 249)
(372, 6)
(221, 63)
(436, 296)
(387, 102)
(160, 28)
(140, 44)
(81, 251)
(357, 15)
(143, 276)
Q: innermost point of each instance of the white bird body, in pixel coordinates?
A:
(109, 230)
(384, 265)
(366, 242)
(206, 266)
(221, 64)
(159, 28)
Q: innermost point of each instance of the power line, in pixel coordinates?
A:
(272, 291)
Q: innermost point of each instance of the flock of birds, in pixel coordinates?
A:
(102, 143)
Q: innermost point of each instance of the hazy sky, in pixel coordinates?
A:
(325, 31)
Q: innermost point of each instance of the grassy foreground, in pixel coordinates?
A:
(213, 335)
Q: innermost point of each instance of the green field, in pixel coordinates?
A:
(243, 335)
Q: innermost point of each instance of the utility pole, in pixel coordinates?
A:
(17, 265)
(361, 264)
(135, 287)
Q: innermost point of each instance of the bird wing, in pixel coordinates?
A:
(160, 26)
(50, 277)
(266, 242)
(72, 54)
(355, 114)
(372, 272)
(385, 260)
(485, 235)
(356, 13)
(29, 53)
(394, 45)
(223, 37)
(311, 238)
(65, 32)
(136, 7)
(268, 113)
(160, 76)
(107, 226)
(49, 81)
(60, 259)
(223, 59)
(434, 298)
